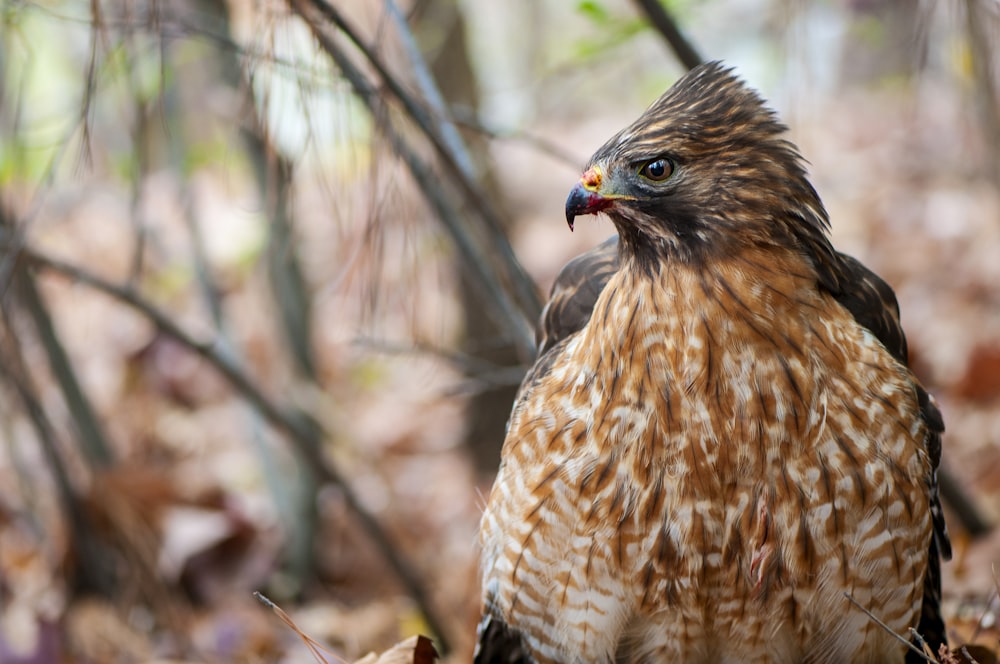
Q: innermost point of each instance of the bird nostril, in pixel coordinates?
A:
(591, 179)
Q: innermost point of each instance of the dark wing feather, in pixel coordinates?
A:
(575, 293)
(872, 303)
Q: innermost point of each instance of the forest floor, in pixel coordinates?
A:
(190, 510)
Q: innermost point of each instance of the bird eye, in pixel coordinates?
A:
(657, 170)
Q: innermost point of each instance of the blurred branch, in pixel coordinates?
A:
(284, 268)
(295, 498)
(467, 364)
(467, 119)
(86, 106)
(13, 364)
(273, 173)
(93, 442)
(958, 499)
(94, 569)
(667, 27)
(528, 305)
(141, 141)
(983, 26)
(486, 381)
(512, 317)
(450, 137)
(304, 432)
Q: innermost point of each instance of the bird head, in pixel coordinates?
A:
(704, 167)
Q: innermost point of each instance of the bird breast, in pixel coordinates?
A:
(717, 455)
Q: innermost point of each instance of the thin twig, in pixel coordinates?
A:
(315, 647)
(481, 375)
(432, 96)
(467, 364)
(921, 643)
(888, 629)
(467, 119)
(181, 28)
(487, 381)
(141, 149)
(968, 656)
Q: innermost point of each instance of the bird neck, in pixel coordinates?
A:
(682, 336)
(673, 299)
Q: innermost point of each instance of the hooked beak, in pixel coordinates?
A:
(586, 197)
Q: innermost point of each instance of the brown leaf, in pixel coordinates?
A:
(414, 650)
(974, 653)
(96, 631)
(981, 381)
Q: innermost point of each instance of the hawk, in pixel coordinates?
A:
(720, 452)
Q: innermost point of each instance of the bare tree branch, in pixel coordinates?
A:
(510, 316)
(666, 26)
(430, 124)
(92, 556)
(296, 500)
(432, 96)
(93, 442)
(465, 118)
(962, 505)
(983, 27)
(303, 431)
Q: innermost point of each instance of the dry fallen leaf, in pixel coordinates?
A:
(96, 631)
(981, 380)
(414, 650)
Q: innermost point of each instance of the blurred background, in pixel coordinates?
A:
(269, 272)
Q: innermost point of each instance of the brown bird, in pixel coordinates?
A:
(720, 451)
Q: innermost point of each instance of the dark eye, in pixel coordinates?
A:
(657, 170)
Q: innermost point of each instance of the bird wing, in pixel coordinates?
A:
(571, 301)
(574, 294)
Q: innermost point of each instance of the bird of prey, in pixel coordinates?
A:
(720, 454)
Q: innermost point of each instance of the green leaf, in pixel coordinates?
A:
(593, 10)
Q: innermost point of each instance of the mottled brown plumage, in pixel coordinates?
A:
(720, 437)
